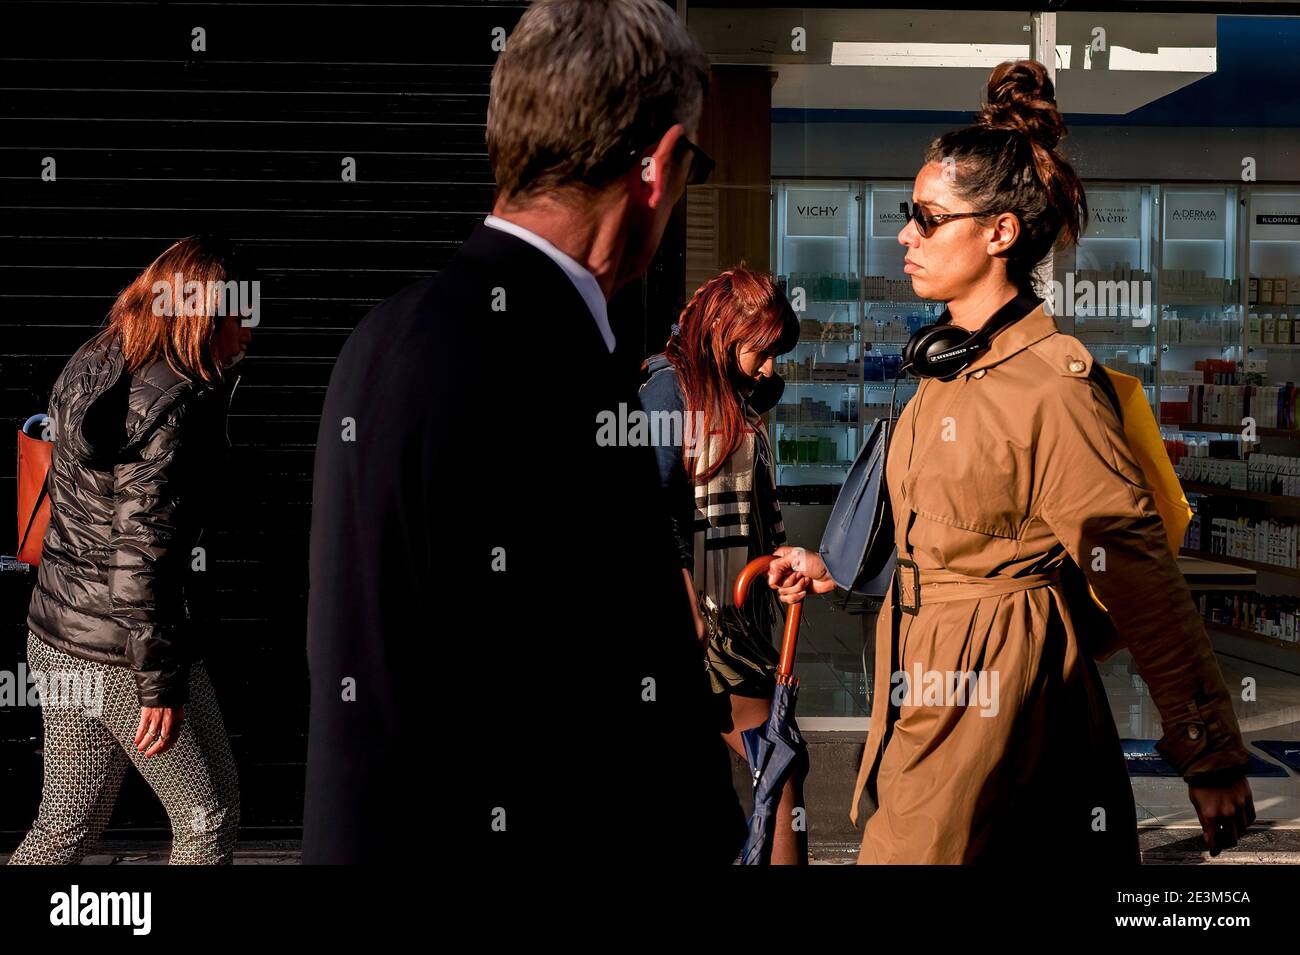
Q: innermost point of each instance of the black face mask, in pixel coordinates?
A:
(766, 393)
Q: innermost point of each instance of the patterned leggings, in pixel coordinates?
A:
(87, 750)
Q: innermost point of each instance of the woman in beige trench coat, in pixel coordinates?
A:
(991, 736)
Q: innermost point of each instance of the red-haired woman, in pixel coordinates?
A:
(714, 380)
(139, 427)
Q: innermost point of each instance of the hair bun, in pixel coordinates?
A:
(1021, 98)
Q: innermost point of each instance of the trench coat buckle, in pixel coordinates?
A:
(915, 608)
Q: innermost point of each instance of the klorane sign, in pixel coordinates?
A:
(1275, 217)
(816, 212)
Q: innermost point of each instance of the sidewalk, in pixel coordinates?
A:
(131, 852)
(1160, 846)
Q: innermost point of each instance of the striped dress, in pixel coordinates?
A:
(719, 527)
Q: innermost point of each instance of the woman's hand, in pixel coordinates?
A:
(1226, 812)
(159, 727)
(795, 571)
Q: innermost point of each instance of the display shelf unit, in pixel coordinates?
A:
(1199, 292)
(1256, 647)
(1202, 427)
(1209, 579)
(817, 245)
(1261, 231)
(1253, 635)
(836, 252)
(1102, 288)
(1241, 562)
(1285, 502)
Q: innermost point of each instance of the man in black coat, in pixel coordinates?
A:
(500, 645)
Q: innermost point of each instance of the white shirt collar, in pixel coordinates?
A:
(578, 274)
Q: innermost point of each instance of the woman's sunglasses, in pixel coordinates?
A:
(927, 222)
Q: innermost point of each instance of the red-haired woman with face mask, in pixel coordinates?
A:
(715, 379)
(1013, 488)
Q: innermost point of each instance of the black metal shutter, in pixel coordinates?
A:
(152, 141)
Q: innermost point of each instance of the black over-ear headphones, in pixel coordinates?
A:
(943, 350)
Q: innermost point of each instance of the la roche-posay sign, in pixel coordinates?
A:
(1114, 215)
(887, 219)
(1193, 215)
(816, 212)
(1275, 217)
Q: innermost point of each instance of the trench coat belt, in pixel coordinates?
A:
(919, 586)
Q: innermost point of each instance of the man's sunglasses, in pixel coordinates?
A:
(701, 164)
(927, 222)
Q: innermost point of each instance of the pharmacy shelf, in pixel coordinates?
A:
(1239, 562)
(821, 382)
(825, 464)
(1205, 574)
(1118, 343)
(909, 302)
(1278, 500)
(1252, 635)
(1255, 647)
(1227, 428)
(817, 425)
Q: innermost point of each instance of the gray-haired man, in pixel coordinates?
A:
(493, 588)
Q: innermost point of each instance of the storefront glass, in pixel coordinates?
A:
(1186, 132)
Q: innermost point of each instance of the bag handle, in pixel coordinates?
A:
(894, 414)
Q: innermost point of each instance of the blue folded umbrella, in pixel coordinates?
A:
(775, 750)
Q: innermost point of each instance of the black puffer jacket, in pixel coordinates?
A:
(132, 477)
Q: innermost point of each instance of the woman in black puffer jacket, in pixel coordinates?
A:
(139, 431)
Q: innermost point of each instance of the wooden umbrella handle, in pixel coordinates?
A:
(753, 569)
(756, 567)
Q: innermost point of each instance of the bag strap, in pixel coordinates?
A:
(36, 509)
(1098, 373)
(891, 419)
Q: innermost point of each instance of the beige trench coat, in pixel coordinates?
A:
(1018, 468)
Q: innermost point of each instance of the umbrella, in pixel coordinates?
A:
(775, 750)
